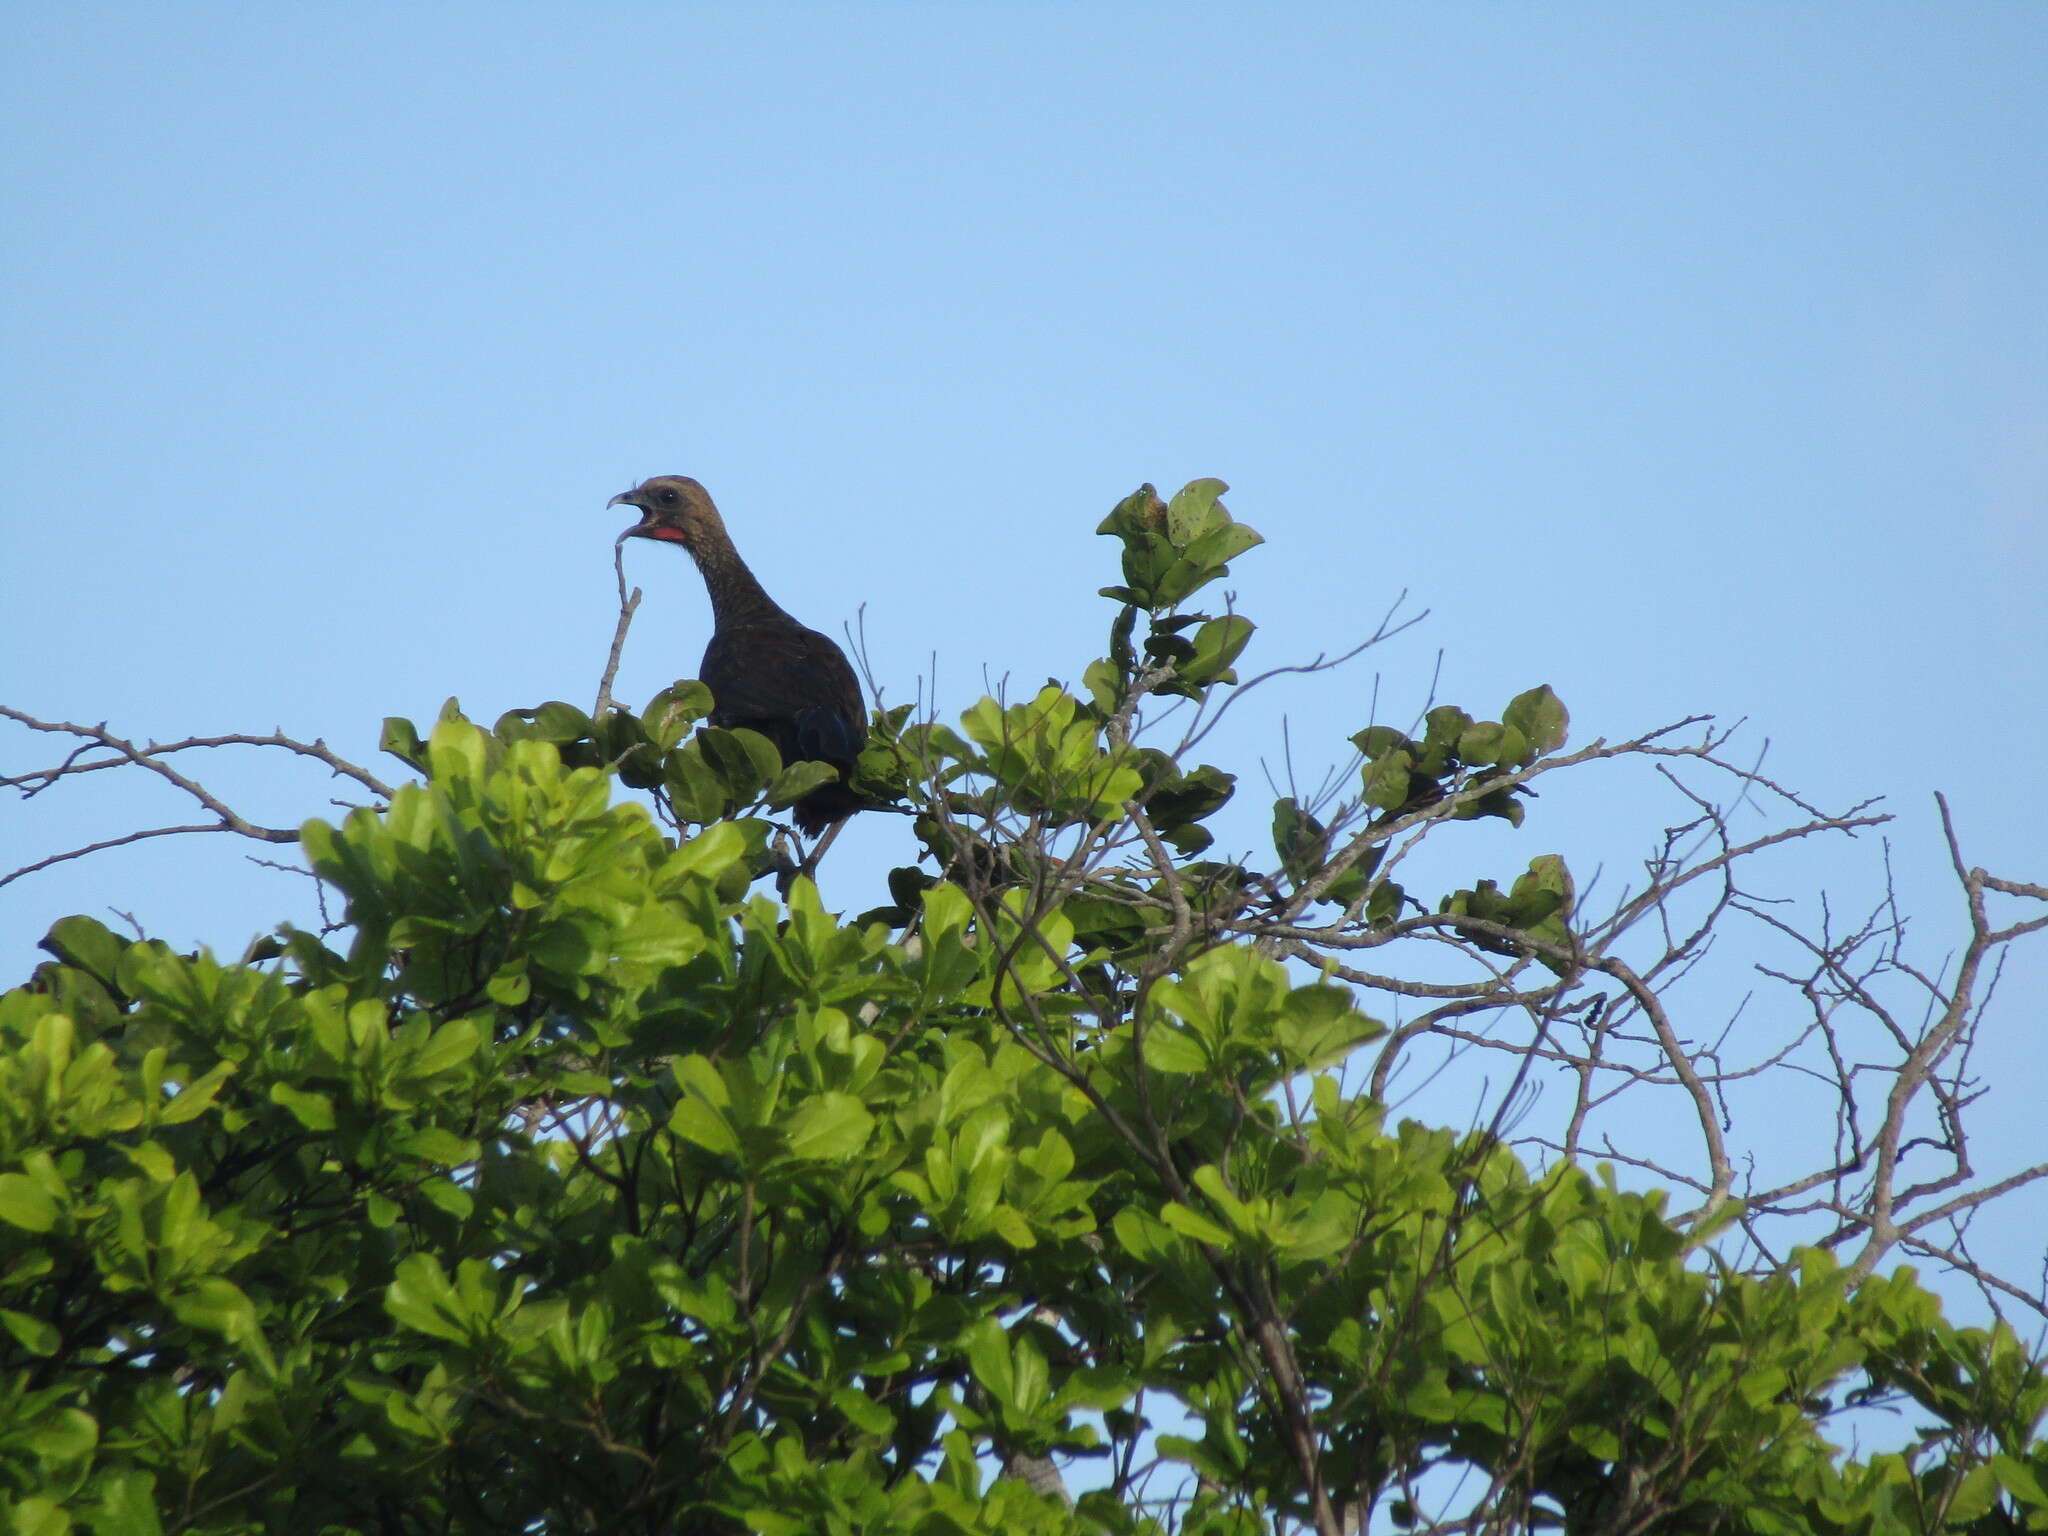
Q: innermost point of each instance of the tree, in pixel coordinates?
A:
(564, 1185)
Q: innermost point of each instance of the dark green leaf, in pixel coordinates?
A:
(798, 780)
(1541, 718)
(401, 738)
(87, 944)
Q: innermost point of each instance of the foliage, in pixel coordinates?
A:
(568, 1186)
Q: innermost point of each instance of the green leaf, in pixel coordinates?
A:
(1385, 903)
(24, 1204)
(744, 760)
(1386, 780)
(315, 1111)
(1299, 840)
(1321, 1024)
(1190, 1224)
(694, 786)
(154, 1161)
(401, 738)
(863, 1412)
(554, 722)
(218, 1306)
(456, 751)
(451, 1045)
(2019, 1480)
(701, 1123)
(1215, 549)
(987, 1348)
(445, 1196)
(38, 1516)
(509, 988)
(829, 1126)
(1168, 1048)
(671, 712)
(1140, 512)
(31, 1333)
(65, 1435)
(127, 1503)
(432, 1144)
(1376, 741)
(1217, 644)
(90, 946)
(796, 781)
(1196, 509)
(1010, 1225)
(622, 740)
(1489, 742)
(1541, 718)
(1444, 728)
(559, 722)
(1975, 1493)
(421, 1298)
(196, 1097)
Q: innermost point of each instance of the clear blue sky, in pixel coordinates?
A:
(1684, 358)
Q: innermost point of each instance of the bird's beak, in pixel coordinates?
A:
(625, 499)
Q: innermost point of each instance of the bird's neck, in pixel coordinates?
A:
(736, 597)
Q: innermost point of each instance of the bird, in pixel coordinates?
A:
(766, 671)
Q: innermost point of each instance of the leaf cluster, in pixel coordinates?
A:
(571, 1185)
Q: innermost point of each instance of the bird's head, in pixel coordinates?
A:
(674, 508)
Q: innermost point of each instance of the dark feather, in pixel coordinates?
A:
(766, 672)
(794, 686)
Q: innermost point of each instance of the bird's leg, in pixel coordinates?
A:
(810, 864)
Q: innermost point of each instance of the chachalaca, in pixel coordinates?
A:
(766, 672)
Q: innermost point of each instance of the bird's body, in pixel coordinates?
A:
(766, 672)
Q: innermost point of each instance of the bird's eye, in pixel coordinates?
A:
(668, 495)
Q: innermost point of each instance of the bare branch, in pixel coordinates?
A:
(264, 834)
(150, 757)
(36, 781)
(627, 605)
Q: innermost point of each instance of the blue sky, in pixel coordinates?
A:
(1686, 359)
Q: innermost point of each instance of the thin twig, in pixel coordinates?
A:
(263, 834)
(627, 604)
(36, 781)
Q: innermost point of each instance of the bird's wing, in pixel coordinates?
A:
(792, 684)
